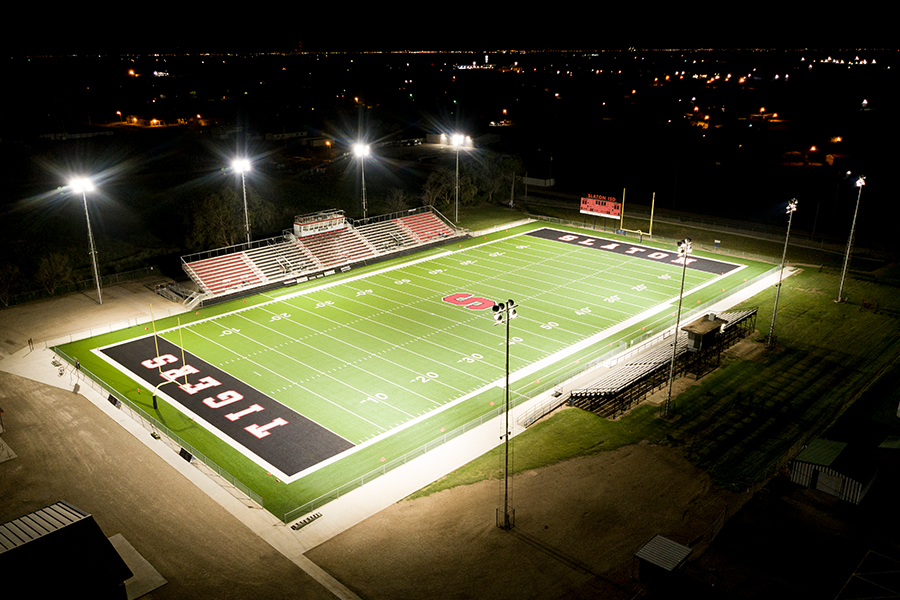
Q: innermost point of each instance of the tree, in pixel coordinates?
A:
(496, 177)
(396, 201)
(214, 223)
(54, 270)
(439, 188)
(10, 280)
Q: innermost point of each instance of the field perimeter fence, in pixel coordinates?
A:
(154, 426)
(612, 357)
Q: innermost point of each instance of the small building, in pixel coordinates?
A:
(658, 557)
(702, 332)
(844, 470)
(61, 552)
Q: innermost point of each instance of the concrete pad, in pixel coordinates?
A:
(145, 578)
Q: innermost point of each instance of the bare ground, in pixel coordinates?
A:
(577, 526)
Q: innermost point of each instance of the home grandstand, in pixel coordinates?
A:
(319, 244)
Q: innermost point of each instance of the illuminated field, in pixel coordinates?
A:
(375, 365)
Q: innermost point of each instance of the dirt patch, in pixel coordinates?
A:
(577, 526)
(748, 349)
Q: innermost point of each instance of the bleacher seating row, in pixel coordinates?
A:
(295, 256)
(624, 387)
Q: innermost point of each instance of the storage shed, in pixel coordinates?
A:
(837, 468)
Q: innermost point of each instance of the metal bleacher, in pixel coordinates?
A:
(226, 271)
(624, 387)
(386, 236)
(281, 258)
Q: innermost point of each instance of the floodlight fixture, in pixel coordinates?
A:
(81, 185)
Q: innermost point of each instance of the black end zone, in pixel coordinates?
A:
(695, 263)
(278, 435)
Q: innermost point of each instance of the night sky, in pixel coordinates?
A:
(189, 27)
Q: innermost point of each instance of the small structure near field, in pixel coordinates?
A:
(836, 468)
(61, 552)
(657, 557)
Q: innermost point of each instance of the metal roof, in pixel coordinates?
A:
(663, 553)
(38, 524)
(821, 452)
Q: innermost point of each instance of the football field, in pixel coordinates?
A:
(305, 378)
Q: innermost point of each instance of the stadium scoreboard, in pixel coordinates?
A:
(603, 206)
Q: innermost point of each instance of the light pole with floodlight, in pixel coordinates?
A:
(83, 186)
(791, 209)
(242, 165)
(362, 151)
(684, 248)
(457, 140)
(859, 183)
(506, 312)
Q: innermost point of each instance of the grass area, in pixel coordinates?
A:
(740, 419)
(568, 433)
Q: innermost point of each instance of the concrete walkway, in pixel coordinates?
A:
(54, 321)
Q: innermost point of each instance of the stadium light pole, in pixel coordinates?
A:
(684, 248)
(791, 209)
(242, 165)
(83, 186)
(458, 139)
(859, 183)
(505, 313)
(362, 151)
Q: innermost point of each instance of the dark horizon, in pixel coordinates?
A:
(182, 28)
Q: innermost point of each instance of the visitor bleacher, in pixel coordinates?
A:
(425, 226)
(221, 273)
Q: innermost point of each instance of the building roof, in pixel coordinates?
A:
(821, 452)
(60, 550)
(704, 325)
(663, 553)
